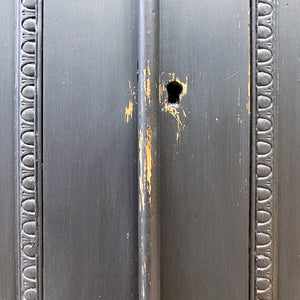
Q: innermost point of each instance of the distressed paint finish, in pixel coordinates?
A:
(132, 103)
(265, 72)
(148, 152)
(177, 111)
(27, 169)
(204, 171)
(181, 122)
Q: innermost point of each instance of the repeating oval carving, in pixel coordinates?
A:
(264, 32)
(29, 183)
(30, 294)
(263, 216)
(264, 101)
(28, 114)
(264, 9)
(263, 124)
(28, 160)
(29, 205)
(29, 228)
(263, 148)
(263, 78)
(29, 69)
(29, 24)
(28, 92)
(30, 272)
(263, 170)
(263, 55)
(30, 4)
(26, 85)
(263, 193)
(263, 239)
(264, 153)
(28, 137)
(263, 261)
(263, 284)
(29, 250)
(29, 47)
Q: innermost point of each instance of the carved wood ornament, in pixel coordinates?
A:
(265, 85)
(28, 134)
(29, 201)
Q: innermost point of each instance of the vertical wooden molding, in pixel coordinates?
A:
(28, 151)
(148, 162)
(265, 96)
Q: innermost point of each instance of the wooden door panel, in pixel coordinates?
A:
(8, 274)
(205, 150)
(89, 172)
(150, 150)
(287, 158)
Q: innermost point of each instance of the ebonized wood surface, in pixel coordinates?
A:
(7, 156)
(288, 154)
(90, 168)
(205, 169)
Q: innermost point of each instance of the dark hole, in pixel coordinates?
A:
(174, 90)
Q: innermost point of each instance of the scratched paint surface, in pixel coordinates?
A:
(177, 111)
(204, 148)
(130, 107)
(145, 143)
(148, 168)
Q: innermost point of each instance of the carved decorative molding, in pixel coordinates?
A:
(27, 85)
(27, 145)
(265, 77)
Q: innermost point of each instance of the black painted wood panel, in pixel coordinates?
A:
(217, 172)
(205, 150)
(7, 157)
(90, 168)
(288, 154)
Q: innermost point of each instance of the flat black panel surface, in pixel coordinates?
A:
(205, 168)
(90, 188)
(7, 157)
(288, 155)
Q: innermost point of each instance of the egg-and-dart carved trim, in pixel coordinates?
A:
(27, 143)
(26, 97)
(265, 150)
